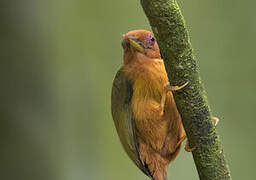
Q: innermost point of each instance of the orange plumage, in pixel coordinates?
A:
(145, 106)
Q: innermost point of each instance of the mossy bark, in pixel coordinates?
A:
(170, 30)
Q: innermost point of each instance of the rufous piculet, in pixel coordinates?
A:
(143, 107)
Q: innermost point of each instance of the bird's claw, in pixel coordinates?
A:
(175, 88)
(216, 120)
(188, 148)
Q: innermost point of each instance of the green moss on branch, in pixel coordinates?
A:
(170, 30)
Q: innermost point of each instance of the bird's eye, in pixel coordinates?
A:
(152, 38)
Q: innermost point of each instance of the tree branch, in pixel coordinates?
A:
(170, 30)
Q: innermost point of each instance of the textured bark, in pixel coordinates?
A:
(170, 30)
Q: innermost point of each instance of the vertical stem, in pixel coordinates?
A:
(169, 28)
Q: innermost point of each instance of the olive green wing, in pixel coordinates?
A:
(123, 117)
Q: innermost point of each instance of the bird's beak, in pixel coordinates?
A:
(136, 44)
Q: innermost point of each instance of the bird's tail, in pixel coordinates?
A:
(160, 174)
(155, 164)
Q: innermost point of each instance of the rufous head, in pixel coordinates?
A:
(140, 41)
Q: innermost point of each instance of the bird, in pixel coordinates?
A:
(143, 108)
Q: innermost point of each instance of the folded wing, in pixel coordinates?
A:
(123, 117)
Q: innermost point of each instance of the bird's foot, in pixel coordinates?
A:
(181, 140)
(216, 120)
(175, 88)
(188, 148)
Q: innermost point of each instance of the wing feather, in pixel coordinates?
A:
(123, 117)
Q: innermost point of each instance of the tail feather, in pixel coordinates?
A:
(154, 163)
(160, 174)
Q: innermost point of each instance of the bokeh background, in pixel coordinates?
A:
(58, 59)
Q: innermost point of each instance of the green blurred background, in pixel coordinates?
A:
(58, 59)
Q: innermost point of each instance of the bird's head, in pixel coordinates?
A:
(140, 41)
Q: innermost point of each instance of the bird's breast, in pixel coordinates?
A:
(149, 81)
(144, 89)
